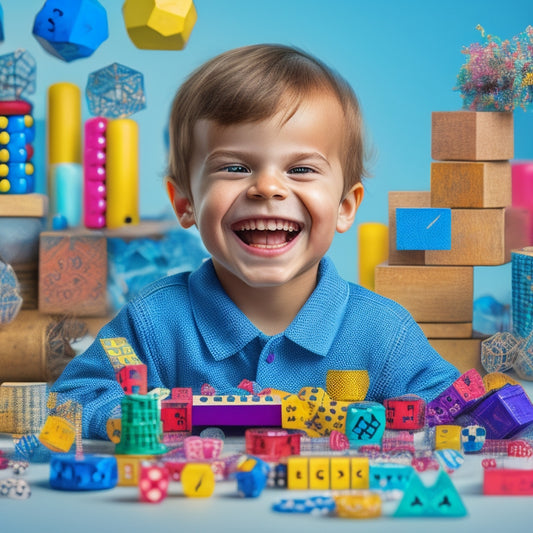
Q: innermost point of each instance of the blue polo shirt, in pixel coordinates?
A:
(188, 332)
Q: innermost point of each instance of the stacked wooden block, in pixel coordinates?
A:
(464, 221)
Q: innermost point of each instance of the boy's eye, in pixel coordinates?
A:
(300, 170)
(234, 168)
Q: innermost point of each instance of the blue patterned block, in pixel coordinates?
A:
(89, 472)
(365, 423)
(423, 228)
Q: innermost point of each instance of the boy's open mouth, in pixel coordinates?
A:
(266, 232)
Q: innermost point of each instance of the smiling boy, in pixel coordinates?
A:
(266, 160)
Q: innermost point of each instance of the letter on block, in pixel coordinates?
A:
(472, 136)
(470, 184)
(73, 273)
(365, 423)
(419, 228)
(431, 294)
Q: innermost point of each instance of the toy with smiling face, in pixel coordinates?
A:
(71, 29)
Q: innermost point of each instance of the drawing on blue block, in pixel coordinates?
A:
(423, 228)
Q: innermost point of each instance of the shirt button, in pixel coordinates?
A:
(270, 358)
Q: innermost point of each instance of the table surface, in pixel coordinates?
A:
(48, 510)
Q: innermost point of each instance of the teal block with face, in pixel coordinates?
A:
(71, 29)
(365, 423)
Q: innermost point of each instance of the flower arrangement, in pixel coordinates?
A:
(498, 75)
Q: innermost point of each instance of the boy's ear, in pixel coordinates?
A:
(348, 207)
(181, 204)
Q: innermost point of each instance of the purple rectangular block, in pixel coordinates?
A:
(503, 412)
(237, 415)
(447, 406)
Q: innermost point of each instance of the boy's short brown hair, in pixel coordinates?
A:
(253, 83)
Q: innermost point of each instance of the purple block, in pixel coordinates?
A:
(445, 407)
(503, 412)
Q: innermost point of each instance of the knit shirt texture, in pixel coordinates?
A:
(188, 332)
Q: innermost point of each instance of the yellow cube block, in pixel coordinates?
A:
(58, 434)
(340, 473)
(360, 472)
(129, 468)
(319, 478)
(447, 437)
(298, 473)
(198, 480)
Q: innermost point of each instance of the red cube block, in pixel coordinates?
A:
(176, 412)
(153, 482)
(405, 412)
(133, 379)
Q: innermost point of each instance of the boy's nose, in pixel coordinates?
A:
(267, 185)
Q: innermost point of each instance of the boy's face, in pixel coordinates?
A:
(267, 196)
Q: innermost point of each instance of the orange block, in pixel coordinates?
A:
(73, 273)
(478, 238)
(464, 354)
(470, 184)
(472, 136)
(430, 293)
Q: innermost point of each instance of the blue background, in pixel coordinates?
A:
(402, 59)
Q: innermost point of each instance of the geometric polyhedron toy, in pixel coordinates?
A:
(115, 91)
(159, 24)
(71, 29)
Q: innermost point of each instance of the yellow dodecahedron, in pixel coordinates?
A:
(159, 24)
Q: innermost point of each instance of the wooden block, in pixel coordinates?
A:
(23, 205)
(518, 227)
(470, 184)
(430, 294)
(28, 277)
(73, 273)
(446, 330)
(423, 228)
(472, 136)
(464, 354)
(478, 238)
(405, 199)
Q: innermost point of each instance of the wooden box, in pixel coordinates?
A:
(430, 294)
(470, 184)
(73, 273)
(472, 136)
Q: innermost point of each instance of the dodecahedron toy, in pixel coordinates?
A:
(71, 29)
(115, 91)
(17, 76)
(159, 24)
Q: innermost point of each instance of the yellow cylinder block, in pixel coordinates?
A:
(373, 250)
(122, 173)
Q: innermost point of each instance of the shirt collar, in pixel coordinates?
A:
(227, 331)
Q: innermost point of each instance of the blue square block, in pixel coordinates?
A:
(423, 228)
(365, 423)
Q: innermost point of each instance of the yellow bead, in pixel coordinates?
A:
(4, 121)
(198, 480)
(4, 170)
(28, 168)
(4, 155)
(5, 185)
(4, 137)
(28, 121)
